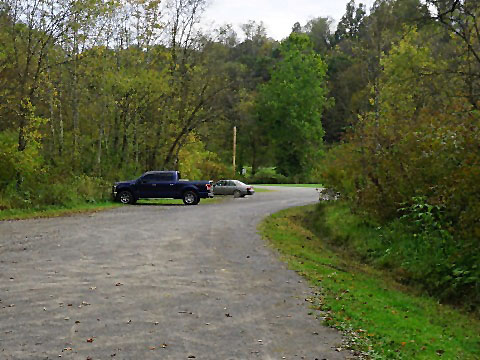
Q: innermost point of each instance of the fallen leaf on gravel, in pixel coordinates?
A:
(90, 340)
(152, 348)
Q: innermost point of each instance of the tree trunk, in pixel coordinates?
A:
(135, 141)
(53, 143)
(60, 125)
(76, 130)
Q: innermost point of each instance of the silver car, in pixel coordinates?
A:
(232, 187)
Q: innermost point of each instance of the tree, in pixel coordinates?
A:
(320, 32)
(351, 24)
(462, 18)
(291, 103)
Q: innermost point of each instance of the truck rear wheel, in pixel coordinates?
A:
(190, 198)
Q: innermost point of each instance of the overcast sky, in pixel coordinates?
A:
(277, 15)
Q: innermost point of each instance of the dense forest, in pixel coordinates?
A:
(383, 107)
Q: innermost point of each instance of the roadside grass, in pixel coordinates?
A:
(56, 211)
(292, 185)
(381, 318)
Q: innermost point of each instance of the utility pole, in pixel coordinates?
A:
(234, 149)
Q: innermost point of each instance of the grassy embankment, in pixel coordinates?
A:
(380, 316)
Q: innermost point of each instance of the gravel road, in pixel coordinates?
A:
(157, 282)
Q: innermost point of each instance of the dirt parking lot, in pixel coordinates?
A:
(156, 282)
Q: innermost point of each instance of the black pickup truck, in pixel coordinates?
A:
(162, 185)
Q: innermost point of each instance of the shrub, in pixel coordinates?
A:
(267, 176)
(418, 247)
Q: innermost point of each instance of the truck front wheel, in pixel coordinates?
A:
(126, 197)
(190, 198)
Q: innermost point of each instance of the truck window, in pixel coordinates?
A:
(148, 179)
(165, 177)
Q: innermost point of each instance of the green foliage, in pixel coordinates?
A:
(267, 176)
(418, 143)
(291, 103)
(411, 165)
(418, 248)
(198, 163)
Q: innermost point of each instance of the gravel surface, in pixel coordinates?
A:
(157, 282)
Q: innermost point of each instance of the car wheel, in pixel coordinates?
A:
(126, 197)
(237, 194)
(243, 195)
(190, 198)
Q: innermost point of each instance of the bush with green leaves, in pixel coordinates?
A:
(267, 175)
(413, 165)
